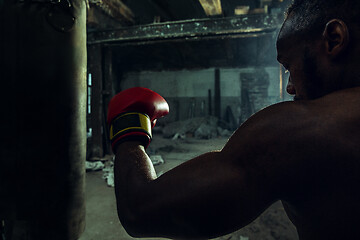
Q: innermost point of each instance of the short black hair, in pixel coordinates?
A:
(312, 15)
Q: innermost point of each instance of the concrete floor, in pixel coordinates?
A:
(101, 218)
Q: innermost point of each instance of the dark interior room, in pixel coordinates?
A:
(179, 119)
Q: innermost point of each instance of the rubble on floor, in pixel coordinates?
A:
(199, 127)
(108, 173)
(94, 166)
(97, 163)
(106, 164)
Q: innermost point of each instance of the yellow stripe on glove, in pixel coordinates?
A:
(129, 122)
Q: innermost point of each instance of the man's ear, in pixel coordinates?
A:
(336, 37)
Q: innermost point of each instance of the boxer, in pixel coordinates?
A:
(305, 153)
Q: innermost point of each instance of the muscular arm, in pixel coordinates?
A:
(213, 194)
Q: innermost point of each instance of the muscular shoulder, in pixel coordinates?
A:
(302, 123)
(283, 123)
(280, 144)
(292, 143)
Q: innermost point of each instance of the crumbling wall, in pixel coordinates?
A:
(187, 92)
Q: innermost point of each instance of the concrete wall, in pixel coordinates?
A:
(187, 91)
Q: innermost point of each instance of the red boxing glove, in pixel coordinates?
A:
(132, 114)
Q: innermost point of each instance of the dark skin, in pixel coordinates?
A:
(305, 153)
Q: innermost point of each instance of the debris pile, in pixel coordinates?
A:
(199, 127)
(105, 164)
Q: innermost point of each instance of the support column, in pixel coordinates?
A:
(108, 93)
(217, 96)
(209, 102)
(96, 116)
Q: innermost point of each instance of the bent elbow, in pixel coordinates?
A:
(131, 223)
(132, 229)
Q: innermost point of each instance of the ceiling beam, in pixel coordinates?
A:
(211, 7)
(231, 27)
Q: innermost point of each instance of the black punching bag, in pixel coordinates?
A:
(42, 122)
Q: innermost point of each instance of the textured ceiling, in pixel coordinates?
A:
(198, 53)
(138, 12)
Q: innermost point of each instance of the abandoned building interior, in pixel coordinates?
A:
(214, 61)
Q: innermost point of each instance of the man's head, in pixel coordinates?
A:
(317, 43)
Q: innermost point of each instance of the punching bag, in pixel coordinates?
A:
(43, 118)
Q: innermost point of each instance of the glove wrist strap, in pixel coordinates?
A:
(130, 122)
